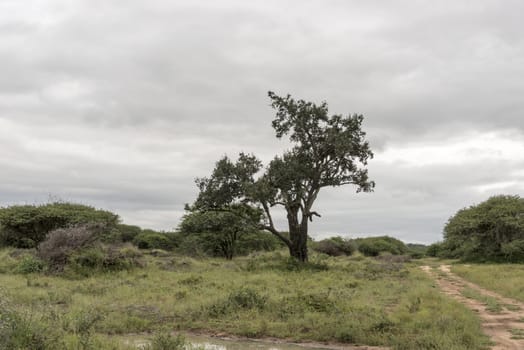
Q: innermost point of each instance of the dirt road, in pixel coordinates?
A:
(504, 324)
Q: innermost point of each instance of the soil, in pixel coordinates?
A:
(504, 328)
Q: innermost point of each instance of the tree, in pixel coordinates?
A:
(220, 231)
(492, 230)
(327, 151)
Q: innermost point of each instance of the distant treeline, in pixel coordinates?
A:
(28, 226)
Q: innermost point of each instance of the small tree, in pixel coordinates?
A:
(220, 231)
(327, 151)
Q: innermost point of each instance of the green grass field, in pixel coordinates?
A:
(350, 300)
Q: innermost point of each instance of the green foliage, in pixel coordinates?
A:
(335, 246)
(218, 233)
(24, 331)
(417, 251)
(149, 239)
(373, 246)
(25, 226)
(128, 232)
(326, 151)
(490, 231)
(166, 341)
(434, 250)
(30, 264)
(243, 298)
(103, 258)
(79, 250)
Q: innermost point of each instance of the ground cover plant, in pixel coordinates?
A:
(346, 299)
(505, 279)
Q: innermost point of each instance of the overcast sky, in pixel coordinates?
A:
(121, 104)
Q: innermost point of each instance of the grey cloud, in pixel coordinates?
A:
(123, 105)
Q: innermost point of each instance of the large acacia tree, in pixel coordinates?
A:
(327, 151)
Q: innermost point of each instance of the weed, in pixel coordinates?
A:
(517, 333)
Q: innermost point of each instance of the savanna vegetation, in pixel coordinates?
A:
(76, 277)
(352, 299)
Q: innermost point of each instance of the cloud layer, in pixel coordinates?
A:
(121, 106)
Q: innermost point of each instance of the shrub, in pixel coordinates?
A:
(102, 258)
(25, 331)
(25, 226)
(434, 249)
(127, 232)
(30, 264)
(61, 243)
(80, 249)
(373, 246)
(416, 251)
(165, 341)
(150, 239)
(335, 246)
(243, 298)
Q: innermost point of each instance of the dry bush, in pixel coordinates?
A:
(59, 244)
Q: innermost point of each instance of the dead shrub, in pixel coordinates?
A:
(60, 244)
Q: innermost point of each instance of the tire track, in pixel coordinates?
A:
(497, 325)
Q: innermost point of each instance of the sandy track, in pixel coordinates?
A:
(498, 325)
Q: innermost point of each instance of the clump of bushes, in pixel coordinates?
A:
(490, 231)
(240, 299)
(126, 233)
(25, 226)
(30, 264)
(80, 249)
(166, 341)
(24, 331)
(373, 246)
(149, 239)
(335, 246)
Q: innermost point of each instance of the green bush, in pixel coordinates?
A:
(335, 246)
(24, 331)
(434, 249)
(102, 258)
(373, 246)
(417, 251)
(24, 226)
(150, 239)
(165, 341)
(30, 264)
(490, 231)
(126, 233)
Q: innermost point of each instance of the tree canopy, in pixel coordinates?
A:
(219, 231)
(326, 151)
(490, 231)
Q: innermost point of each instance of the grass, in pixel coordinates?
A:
(492, 304)
(517, 333)
(505, 279)
(351, 300)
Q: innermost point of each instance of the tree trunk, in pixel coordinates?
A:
(298, 237)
